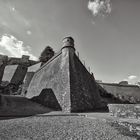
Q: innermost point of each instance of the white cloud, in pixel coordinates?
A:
(1, 53)
(99, 7)
(15, 47)
(132, 77)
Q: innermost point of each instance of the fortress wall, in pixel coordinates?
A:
(84, 92)
(74, 87)
(53, 75)
(9, 72)
(124, 90)
(27, 80)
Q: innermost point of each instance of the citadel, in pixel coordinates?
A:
(62, 82)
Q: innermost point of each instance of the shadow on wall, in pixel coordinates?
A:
(47, 98)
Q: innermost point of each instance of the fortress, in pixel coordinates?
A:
(63, 83)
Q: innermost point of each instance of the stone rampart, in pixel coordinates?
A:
(128, 92)
(68, 79)
(53, 75)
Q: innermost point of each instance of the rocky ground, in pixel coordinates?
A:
(90, 126)
(125, 110)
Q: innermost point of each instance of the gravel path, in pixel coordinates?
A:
(59, 128)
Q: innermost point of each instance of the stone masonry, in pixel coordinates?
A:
(73, 86)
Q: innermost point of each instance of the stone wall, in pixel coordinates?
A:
(53, 75)
(68, 79)
(84, 92)
(9, 72)
(126, 92)
(27, 80)
(11, 77)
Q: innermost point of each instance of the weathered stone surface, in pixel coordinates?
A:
(111, 98)
(54, 75)
(20, 72)
(73, 86)
(2, 67)
(125, 93)
(0, 100)
(84, 92)
(28, 78)
(21, 61)
(17, 61)
(3, 63)
(19, 75)
(15, 77)
(9, 72)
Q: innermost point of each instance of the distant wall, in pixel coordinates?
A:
(126, 91)
(27, 80)
(9, 72)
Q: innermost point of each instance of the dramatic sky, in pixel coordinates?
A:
(109, 44)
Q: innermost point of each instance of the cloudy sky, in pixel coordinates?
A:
(106, 33)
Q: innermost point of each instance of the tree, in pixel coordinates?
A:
(46, 55)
